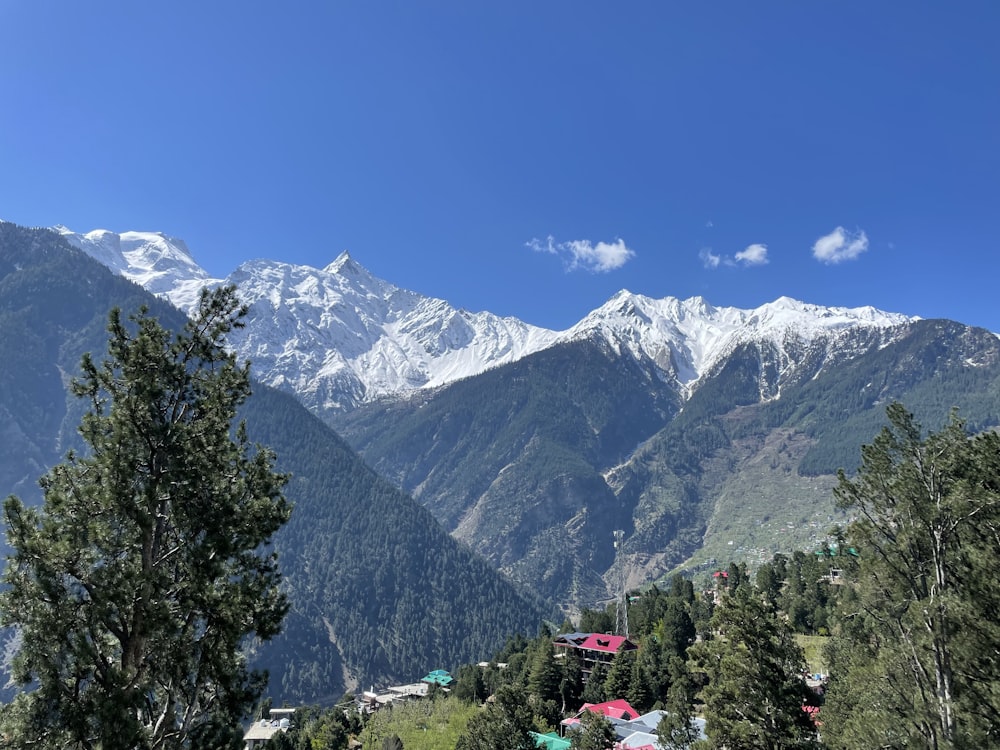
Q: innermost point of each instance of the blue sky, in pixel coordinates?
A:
(529, 158)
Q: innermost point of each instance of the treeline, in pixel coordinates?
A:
(377, 588)
(908, 596)
(530, 685)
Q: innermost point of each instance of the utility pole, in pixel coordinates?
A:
(621, 610)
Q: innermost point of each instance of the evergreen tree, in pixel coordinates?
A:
(917, 661)
(136, 584)
(619, 680)
(469, 684)
(652, 667)
(755, 691)
(594, 732)
(676, 628)
(677, 728)
(598, 621)
(502, 724)
(571, 684)
(545, 675)
(593, 689)
(639, 695)
(771, 577)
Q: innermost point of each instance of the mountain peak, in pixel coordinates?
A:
(160, 263)
(342, 260)
(340, 336)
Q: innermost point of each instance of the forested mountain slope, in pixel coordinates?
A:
(54, 304)
(740, 470)
(378, 589)
(510, 461)
(737, 477)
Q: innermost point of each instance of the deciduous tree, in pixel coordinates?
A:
(503, 723)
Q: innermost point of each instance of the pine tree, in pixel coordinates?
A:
(677, 728)
(571, 682)
(503, 723)
(619, 680)
(593, 689)
(639, 694)
(594, 732)
(755, 691)
(545, 675)
(916, 660)
(138, 581)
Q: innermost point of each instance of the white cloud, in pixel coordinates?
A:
(753, 255)
(599, 258)
(840, 245)
(539, 247)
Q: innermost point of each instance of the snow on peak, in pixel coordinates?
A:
(686, 338)
(342, 260)
(339, 336)
(162, 264)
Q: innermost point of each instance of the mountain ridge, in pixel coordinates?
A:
(379, 591)
(685, 425)
(339, 336)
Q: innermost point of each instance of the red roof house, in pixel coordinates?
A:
(619, 709)
(594, 648)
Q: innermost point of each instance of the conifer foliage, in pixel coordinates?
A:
(916, 662)
(755, 694)
(135, 585)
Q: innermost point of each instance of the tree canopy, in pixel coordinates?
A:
(502, 724)
(916, 660)
(136, 584)
(755, 693)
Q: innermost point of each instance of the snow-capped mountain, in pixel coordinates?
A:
(336, 336)
(688, 339)
(161, 264)
(339, 337)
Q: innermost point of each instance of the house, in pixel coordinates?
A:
(439, 677)
(592, 648)
(632, 730)
(640, 733)
(371, 700)
(277, 720)
(619, 709)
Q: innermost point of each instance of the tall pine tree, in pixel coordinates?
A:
(136, 584)
(755, 692)
(916, 660)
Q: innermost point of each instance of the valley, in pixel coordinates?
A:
(703, 433)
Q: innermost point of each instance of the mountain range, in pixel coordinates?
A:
(379, 591)
(338, 337)
(703, 433)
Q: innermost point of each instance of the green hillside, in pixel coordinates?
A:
(521, 461)
(379, 590)
(512, 460)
